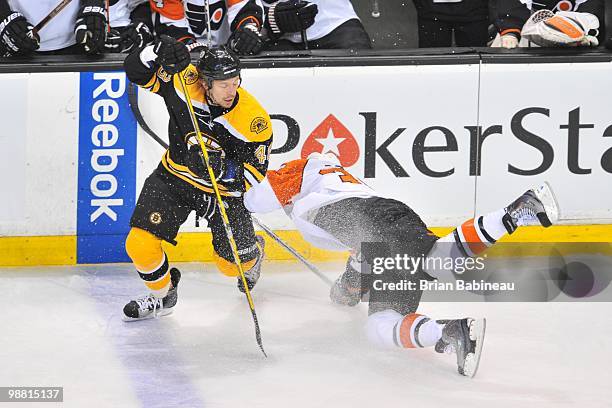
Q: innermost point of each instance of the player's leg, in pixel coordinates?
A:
(536, 206)
(250, 246)
(464, 337)
(157, 217)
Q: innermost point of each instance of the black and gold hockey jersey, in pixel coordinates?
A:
(243, 132)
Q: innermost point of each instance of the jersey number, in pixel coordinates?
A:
(261, 155)
(345, 176)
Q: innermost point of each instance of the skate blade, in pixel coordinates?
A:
(472, 360)
(163, 312)
(545, 194)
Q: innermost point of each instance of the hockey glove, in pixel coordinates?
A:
(17, 34)
(126, 39)
(90, 28)
(197, 165)
(172, 55)
(509, 41)
(563, 29)
(246, 40)
(292, 16)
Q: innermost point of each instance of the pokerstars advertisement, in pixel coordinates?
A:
(447, 140)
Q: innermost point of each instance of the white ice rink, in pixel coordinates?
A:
(61, 326)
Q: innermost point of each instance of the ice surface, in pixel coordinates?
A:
(61, 326)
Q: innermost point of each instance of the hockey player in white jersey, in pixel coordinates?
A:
(327, 25)
(131, 26)
(80, 26)
(334, 210)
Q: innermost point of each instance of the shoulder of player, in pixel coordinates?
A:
(249, 119)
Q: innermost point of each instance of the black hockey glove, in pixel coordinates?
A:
(172, 55)
(292, 16)
(90, 27)
(17, 34)
(246, 40)
(195, 162)
(126, 39)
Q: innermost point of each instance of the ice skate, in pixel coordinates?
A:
(148, 306)
(346, 290)
(537, 206)
(252, 275)
(464, 337)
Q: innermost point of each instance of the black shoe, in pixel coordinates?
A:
(148, 306)
(463, 337)
(252, 275)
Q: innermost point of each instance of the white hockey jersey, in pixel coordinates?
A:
(222, 15)
(120, 10)
(331, 15)
(300, 188)
(59, 32)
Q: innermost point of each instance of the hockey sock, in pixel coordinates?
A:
(471, 238)
(150, 260)
(390, 329)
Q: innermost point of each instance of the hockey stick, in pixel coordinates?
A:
(292, 251)
(224, 217)
(133, 100)
(51, 15)
(143, 124)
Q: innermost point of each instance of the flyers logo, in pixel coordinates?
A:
(331, 136)
(197, 17)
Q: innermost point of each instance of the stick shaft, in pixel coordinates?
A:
(224, 217)
(51, 15)
(292, 251)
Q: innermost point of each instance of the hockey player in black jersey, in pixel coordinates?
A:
(238, 133)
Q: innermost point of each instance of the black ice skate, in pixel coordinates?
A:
(537, 206)
(252, 275)
(463, 337)
(149, 306)
(346, 290)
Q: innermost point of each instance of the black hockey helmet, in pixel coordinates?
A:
(218, 63)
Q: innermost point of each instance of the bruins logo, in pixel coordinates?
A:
(191, 77)
(163, 75)
(155, 218)
(258, 125)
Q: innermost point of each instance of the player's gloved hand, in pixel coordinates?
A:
(172, 55)
(509, 41)
(197, 165)
(246, 40)
(126, 39)
(291, 16)
(90, 27)
(17, 34)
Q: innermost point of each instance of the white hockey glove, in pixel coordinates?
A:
(509, 41)
(563, 29)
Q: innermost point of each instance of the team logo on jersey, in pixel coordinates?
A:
(163, 75)
(197, 16)
(191, 77)
(331, 136)
(155, 218)
(258, 125)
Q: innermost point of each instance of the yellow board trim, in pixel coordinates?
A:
(197, 246)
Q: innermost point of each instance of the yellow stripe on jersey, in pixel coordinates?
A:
(254, 171)
(248, 119)
(190, 178)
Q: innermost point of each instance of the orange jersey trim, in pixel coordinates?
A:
(172, 9)
(287, 181)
